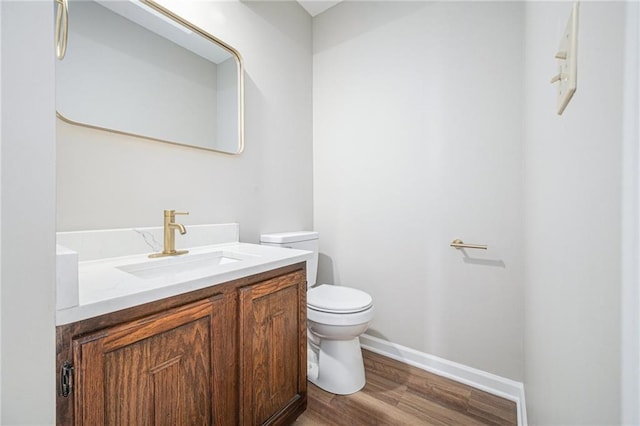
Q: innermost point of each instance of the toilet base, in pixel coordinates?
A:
(340, 367)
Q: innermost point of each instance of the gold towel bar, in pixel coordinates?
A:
(459, 244)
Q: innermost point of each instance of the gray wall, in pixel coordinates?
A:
(630, 291)
(573, 217)
(417, 141)
(110, 181)
(435, 121)
(0, 217)
(28, 214)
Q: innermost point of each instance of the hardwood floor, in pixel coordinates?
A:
(399, 394)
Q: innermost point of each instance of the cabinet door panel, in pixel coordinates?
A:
(273, 353)
(154, 371)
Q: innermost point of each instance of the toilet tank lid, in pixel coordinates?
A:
(289, 237)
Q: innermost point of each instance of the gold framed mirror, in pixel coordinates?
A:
(135, 68)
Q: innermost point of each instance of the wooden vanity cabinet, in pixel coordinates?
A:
(230, 354)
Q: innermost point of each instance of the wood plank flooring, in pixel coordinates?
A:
(399, 394)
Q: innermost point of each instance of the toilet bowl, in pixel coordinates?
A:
(336, 317)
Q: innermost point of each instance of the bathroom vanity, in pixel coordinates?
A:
(229, 350)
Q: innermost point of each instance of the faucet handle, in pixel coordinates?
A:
(172, 213)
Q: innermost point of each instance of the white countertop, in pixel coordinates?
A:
(105, 287)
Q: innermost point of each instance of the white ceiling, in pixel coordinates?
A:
(316, 7)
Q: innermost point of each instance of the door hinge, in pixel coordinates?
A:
(66, 379)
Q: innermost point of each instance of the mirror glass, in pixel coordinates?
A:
(133, 67)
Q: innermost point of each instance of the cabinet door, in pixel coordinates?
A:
(273, 349)
(153, 371)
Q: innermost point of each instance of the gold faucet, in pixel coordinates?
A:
(169, 234)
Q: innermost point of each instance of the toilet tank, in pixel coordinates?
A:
(301, 240)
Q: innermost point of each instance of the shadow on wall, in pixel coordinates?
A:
(325, 270)
(499, 263)
(378, 14)
(274, 14)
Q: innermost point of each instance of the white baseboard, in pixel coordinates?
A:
(491, 383)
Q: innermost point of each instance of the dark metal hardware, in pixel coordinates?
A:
(66, 379)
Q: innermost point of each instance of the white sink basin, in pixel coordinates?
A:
(107, 282)
(202, 264)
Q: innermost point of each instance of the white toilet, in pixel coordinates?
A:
(336, 317)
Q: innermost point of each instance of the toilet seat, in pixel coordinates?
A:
(342, 320)
(338, 299)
